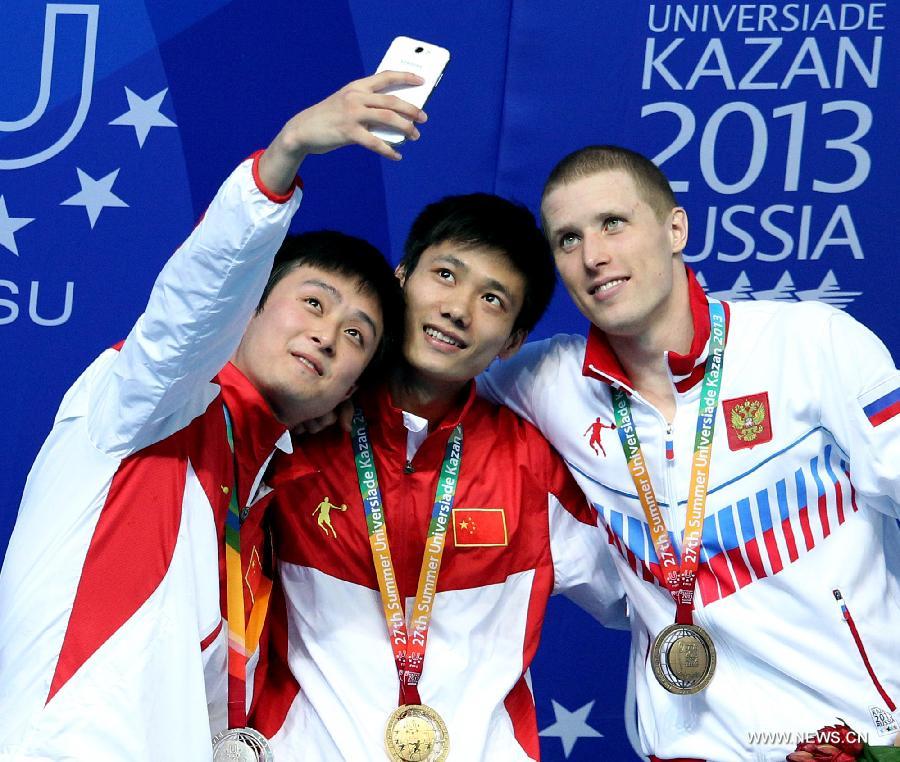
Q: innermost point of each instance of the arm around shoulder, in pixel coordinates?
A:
(525, 382)
(584, 568)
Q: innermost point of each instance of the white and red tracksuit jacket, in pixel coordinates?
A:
(111, 638)
(805, 504)
(522, 530)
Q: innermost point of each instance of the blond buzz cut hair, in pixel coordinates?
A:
(652, 185)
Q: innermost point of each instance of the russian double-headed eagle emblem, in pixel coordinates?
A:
(747, 419)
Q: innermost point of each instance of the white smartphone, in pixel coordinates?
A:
(422, 58)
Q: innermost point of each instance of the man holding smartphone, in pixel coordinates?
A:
(768, 432)
(113, 642)
(413, 621)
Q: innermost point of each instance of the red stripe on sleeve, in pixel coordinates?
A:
(519, 702)
(839, 497)
(632, 560)
(789, 539)
(755, 559)
(852, 492)
(129, 554)
(210, 639)
(772, 551)
(719, 565)
(803, 515)
(823, 516)
(706, 581)
(520, 706)
(741, 571)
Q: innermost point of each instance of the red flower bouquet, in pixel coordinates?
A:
(840, 743)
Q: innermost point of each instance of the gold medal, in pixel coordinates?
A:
(416, 733)
(241, 745)
(683, 658)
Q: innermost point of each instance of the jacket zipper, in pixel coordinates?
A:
(671, 497)
(862, 649)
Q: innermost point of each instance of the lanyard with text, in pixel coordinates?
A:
(234, 589)
(408, 644)
(679, 580)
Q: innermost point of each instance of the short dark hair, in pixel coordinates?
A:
(483, 219)
(651, 183)
(355, 258)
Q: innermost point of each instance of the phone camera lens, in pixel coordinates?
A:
(419, 49)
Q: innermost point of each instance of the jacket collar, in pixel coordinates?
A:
(389, 431)
(257, 432)
(383, 412)
(386, 428)
(600, 360)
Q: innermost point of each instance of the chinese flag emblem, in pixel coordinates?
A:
(479, 528)
(748, 421)
(254, 574)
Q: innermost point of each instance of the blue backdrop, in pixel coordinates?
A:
(777, 124)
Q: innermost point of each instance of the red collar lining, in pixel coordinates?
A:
(600, 360)
(256, 429)
(386, 413)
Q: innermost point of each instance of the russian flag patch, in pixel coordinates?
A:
(885, 406)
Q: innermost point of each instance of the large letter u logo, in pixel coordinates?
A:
(91, 13)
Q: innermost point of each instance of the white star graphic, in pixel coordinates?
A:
(144, 114)
(94, 194)
(8, 227)
(570, 726)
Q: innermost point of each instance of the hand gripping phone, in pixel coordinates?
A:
(422, 58)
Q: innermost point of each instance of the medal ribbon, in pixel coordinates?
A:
(407, 643)
(237, 630)
(679, 579)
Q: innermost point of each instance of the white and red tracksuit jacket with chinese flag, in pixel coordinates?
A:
(521, 531)
(112, 645)
(803, 502)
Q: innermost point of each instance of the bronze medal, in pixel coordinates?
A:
(683, 658)
(416, 733)
(241, 745)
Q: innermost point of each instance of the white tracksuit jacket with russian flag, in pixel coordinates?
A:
(802, 506)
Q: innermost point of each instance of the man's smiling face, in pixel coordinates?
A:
(615, 254)
(461, 305)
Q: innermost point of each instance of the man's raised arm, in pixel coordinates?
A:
(206, 293)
